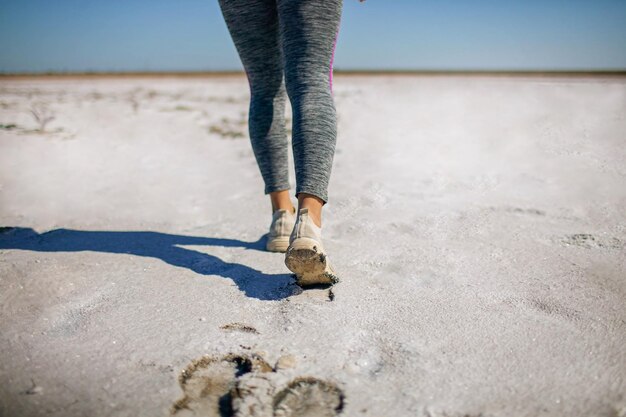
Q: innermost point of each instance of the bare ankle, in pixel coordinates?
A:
(314, 204)
(281, 200)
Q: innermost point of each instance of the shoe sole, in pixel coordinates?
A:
(278, 244)
(310, 265)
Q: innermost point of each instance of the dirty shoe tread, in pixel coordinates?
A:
(306, 256)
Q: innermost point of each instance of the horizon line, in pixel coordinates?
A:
(210, 73)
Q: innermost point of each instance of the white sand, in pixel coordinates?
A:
(478, 225)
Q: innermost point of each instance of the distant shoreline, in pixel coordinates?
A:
(336, 72)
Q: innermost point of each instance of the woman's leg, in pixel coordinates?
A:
(253, 26)
(308, 31)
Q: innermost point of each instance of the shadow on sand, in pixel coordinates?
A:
(252, 282)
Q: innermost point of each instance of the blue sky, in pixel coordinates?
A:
(190, 35)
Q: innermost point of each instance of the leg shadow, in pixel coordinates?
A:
(252, 282)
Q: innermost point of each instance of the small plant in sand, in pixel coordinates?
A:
(134, 103)
(8, 126)
(231, 128)
(95, 95)
(133, 97)
(42, 114)
(226, 100)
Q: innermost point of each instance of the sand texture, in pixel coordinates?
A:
(477, 224)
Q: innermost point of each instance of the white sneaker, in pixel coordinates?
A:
(282, 224)
(306, 256)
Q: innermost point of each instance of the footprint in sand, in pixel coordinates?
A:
(207, 383)
(246, 386)
(308, 397)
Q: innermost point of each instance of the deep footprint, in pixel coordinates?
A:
(207, 383)
(309, 397)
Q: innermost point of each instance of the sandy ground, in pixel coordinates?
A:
(478, 225)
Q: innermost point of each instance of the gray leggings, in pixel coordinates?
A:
(287, 48)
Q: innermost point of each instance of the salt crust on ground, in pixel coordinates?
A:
(478, 225)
